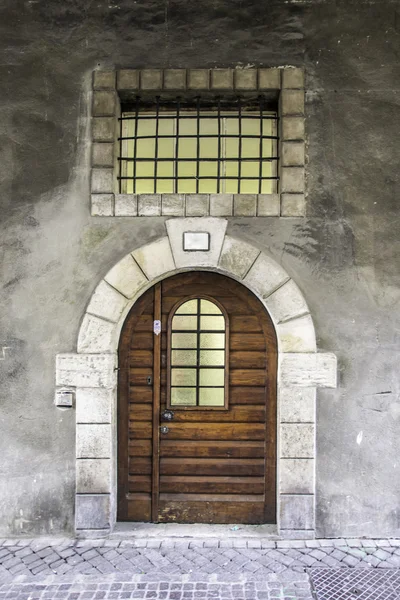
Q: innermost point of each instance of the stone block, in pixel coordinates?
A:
(126, 205)
(268, 205)
(269, 79)
(126, 277)
(293, 154)
(297, 405)
(156, 258)
(297, 475)
(292, 179)
(221, 205)
(175, 79)
(197, 205)
(92, 512)
(297, 440)
(96, 335)
(173, 205)
(245, 205)
(292, 128)
(94, 405)
(93, 440)
(237, 257)
(102, 181)
(102, 155)
(309, 370)
(287, 302)
(297, 512)
(265, 276)
(93, 476)
(149, 205)
(104, 104)
(107, 303)
(151, 79)
(221, 79)
(102, 205)
(86, 370)
(198, 79)
(103, 80)
(293, 205)
(293, 78)
(297, 534)
(245, 79)
(103, 129)
(216, 229)
(292, 102)
(128, 79)
(297, 335)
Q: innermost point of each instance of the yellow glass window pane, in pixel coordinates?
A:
(187, 308)
(249, 186)
(212, 340)
(215, 323)
(184, 322)
(209, 308)
(185, 358)
(183, 396)
(212, 358)
(211, 397)
(212, 377)
(188, 126)
(184, 340)
(183, 377)
(144, 186)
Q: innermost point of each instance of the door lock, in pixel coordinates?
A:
(167, 415)
(164, 429)
(149, 380)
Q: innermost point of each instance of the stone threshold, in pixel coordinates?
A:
(130, 530)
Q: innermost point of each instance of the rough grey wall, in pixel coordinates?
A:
(345, 255)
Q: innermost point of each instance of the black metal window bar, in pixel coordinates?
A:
(198, 146)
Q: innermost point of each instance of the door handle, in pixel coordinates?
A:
(164, 429)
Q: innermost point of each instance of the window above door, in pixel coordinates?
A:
(197, 142)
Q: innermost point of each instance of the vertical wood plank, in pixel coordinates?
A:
(156, 408)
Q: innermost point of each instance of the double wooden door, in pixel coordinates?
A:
(197, 405)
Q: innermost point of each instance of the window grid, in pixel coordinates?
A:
(199, 365)
(223, 171)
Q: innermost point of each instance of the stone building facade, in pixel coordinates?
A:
(320, 253)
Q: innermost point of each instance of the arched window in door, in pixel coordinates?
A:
(198, 355)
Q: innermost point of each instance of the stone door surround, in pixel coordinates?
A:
(91, 371)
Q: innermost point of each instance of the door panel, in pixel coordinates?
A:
(211, 464)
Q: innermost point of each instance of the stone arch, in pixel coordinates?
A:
(92, 369)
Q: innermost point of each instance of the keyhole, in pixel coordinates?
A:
(149, 380)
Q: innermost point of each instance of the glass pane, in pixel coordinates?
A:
(183, 376)
(184, 358)
(211, 397)
(184, 322)
(212, 376)
(212, 340)
(183, 396)
(184, 340)
(209, 307)
(214, 358)
(217, 323)
(187, 308)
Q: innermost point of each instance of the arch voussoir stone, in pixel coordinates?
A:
(92, 370)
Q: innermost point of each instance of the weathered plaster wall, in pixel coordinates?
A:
(345, 255)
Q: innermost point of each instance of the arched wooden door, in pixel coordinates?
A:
(197, 405)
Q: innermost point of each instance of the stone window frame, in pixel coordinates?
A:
(109, 85)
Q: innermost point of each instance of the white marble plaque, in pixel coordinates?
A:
(196, 241)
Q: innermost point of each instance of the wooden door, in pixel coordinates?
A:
(197, 446)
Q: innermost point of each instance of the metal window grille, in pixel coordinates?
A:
(199, 146)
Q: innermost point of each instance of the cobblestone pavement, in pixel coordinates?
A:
(192, 569)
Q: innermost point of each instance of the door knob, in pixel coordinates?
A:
(164, 429)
